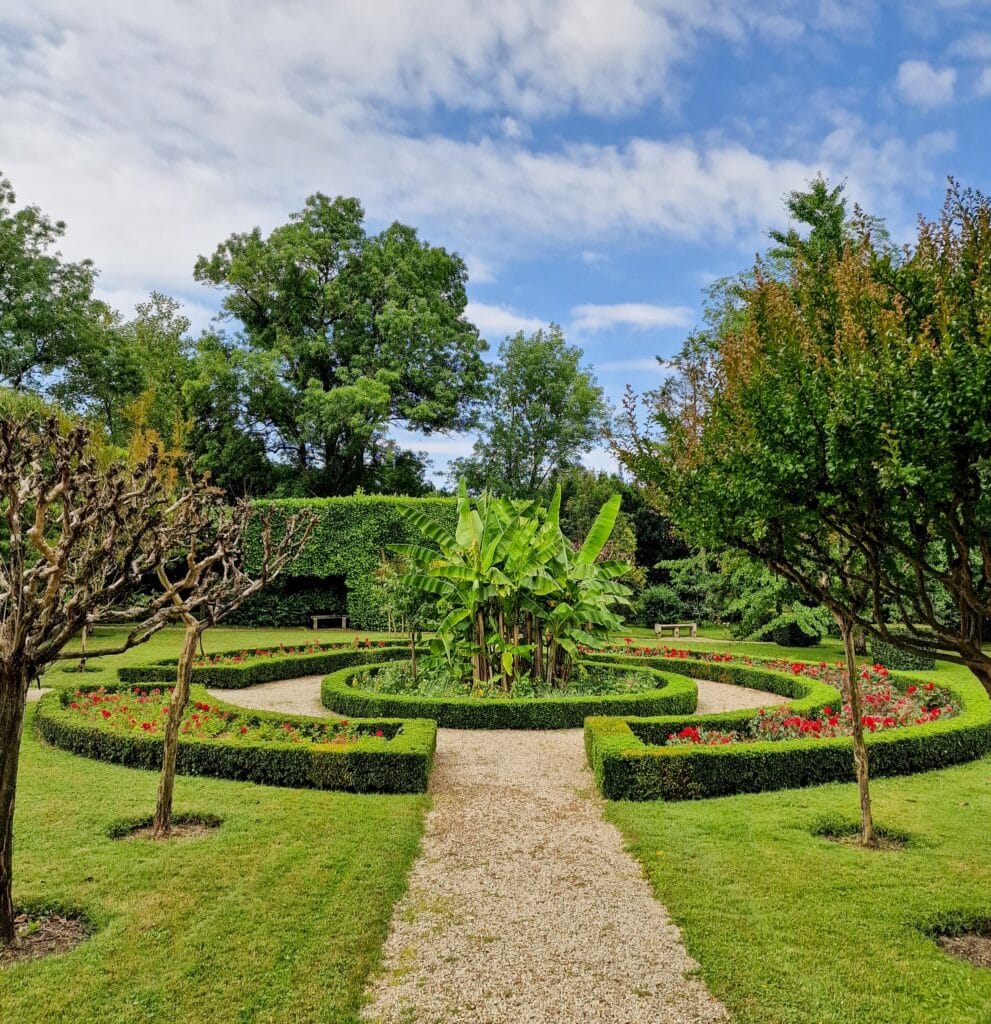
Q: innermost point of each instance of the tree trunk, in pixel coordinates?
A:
(859, 642)
(162, 825)
(82, 648)
(859, 747)
(13, 696)
(412, 652)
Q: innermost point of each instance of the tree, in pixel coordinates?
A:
(842, 439)
(544, 410)
(81, 531)
(344, 335)
(47, 308)
(209, 583)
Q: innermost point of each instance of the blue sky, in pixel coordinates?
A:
(597, 163)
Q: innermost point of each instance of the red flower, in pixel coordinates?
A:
(105, 713)
(378, 732)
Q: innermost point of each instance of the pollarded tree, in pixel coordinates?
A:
(80, 532)
(205, 585)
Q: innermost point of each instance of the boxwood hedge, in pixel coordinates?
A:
(233, 676)
(674, 695)
(628, 765)
(398, 762)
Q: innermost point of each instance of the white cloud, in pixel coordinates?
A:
(591, 258)
(925, 86)
(984, 83)
(498, 322)
(641, 315)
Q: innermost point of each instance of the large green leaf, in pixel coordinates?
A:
(600, 530)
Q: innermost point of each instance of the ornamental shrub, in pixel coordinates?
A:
(883, 653)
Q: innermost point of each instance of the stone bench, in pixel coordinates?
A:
(318, 619)
(676, 628)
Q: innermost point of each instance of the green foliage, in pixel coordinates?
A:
(235, 676)
(47, 310)
(516, 599)
(399, 762)
(883, 653)
(544, 410)
(661, 603)
(348, 542)
(344, 334)
(628, 767)
(674, 695)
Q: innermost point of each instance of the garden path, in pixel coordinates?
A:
(523, 905)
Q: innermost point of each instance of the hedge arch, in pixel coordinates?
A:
(629, 763)
(673, 695)
(398, 762)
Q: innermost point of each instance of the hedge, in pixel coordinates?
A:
(883, 653)
(674, 695)
(399, 762)
(348, 540)
(263, 670)
(628, 766)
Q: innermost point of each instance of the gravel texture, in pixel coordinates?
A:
(35, 694)
(524, 906)
(293, 696)
(727, 697)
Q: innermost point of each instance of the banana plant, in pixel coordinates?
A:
(517, 598)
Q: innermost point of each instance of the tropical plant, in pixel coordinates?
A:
(517, 600)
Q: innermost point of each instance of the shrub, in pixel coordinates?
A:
(397, 762)
(232, 676)
(673, 695)
(660, 604)
(629, 766)
(883, 653)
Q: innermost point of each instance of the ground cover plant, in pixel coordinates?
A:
(789, 927)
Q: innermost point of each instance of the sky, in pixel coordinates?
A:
(596, 162)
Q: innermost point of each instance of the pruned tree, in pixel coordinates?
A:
(80, 532)
(208, 581)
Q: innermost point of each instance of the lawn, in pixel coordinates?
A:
(278, 916)
(789, 927)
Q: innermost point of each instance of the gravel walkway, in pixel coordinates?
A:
(293, 696)
(524, 906)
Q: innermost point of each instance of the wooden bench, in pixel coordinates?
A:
(317, 619)
(676, 628)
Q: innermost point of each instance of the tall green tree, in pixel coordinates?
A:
(344, 335)
(544, 410)
(47, 310)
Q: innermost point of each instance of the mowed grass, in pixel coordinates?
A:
(277, 917)
(789, 927)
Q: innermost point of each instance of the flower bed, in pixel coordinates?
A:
(124, 725)
(350, 691)
(230, 670)
(736, 752)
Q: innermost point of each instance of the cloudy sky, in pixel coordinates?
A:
(597, 162)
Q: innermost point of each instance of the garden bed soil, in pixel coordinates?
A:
(180, 830)
(972, 948)
(43, 936)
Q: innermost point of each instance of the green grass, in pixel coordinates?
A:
(789, 927)
(277, 917)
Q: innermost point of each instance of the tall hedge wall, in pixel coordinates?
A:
(348, 540)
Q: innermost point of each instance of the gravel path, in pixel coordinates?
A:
(293, 696)
(524, 906)
(35, 694)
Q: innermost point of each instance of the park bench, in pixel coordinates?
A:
(676, 628)
(318, 619)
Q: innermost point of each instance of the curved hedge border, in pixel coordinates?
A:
(399, 762)
(628, 766)
(263, 670)
(674, 695)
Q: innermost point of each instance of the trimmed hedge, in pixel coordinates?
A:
(398, 762)
(348, 541)
(674, 695)
(264, 670)
(892, 657)
(627, 766)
